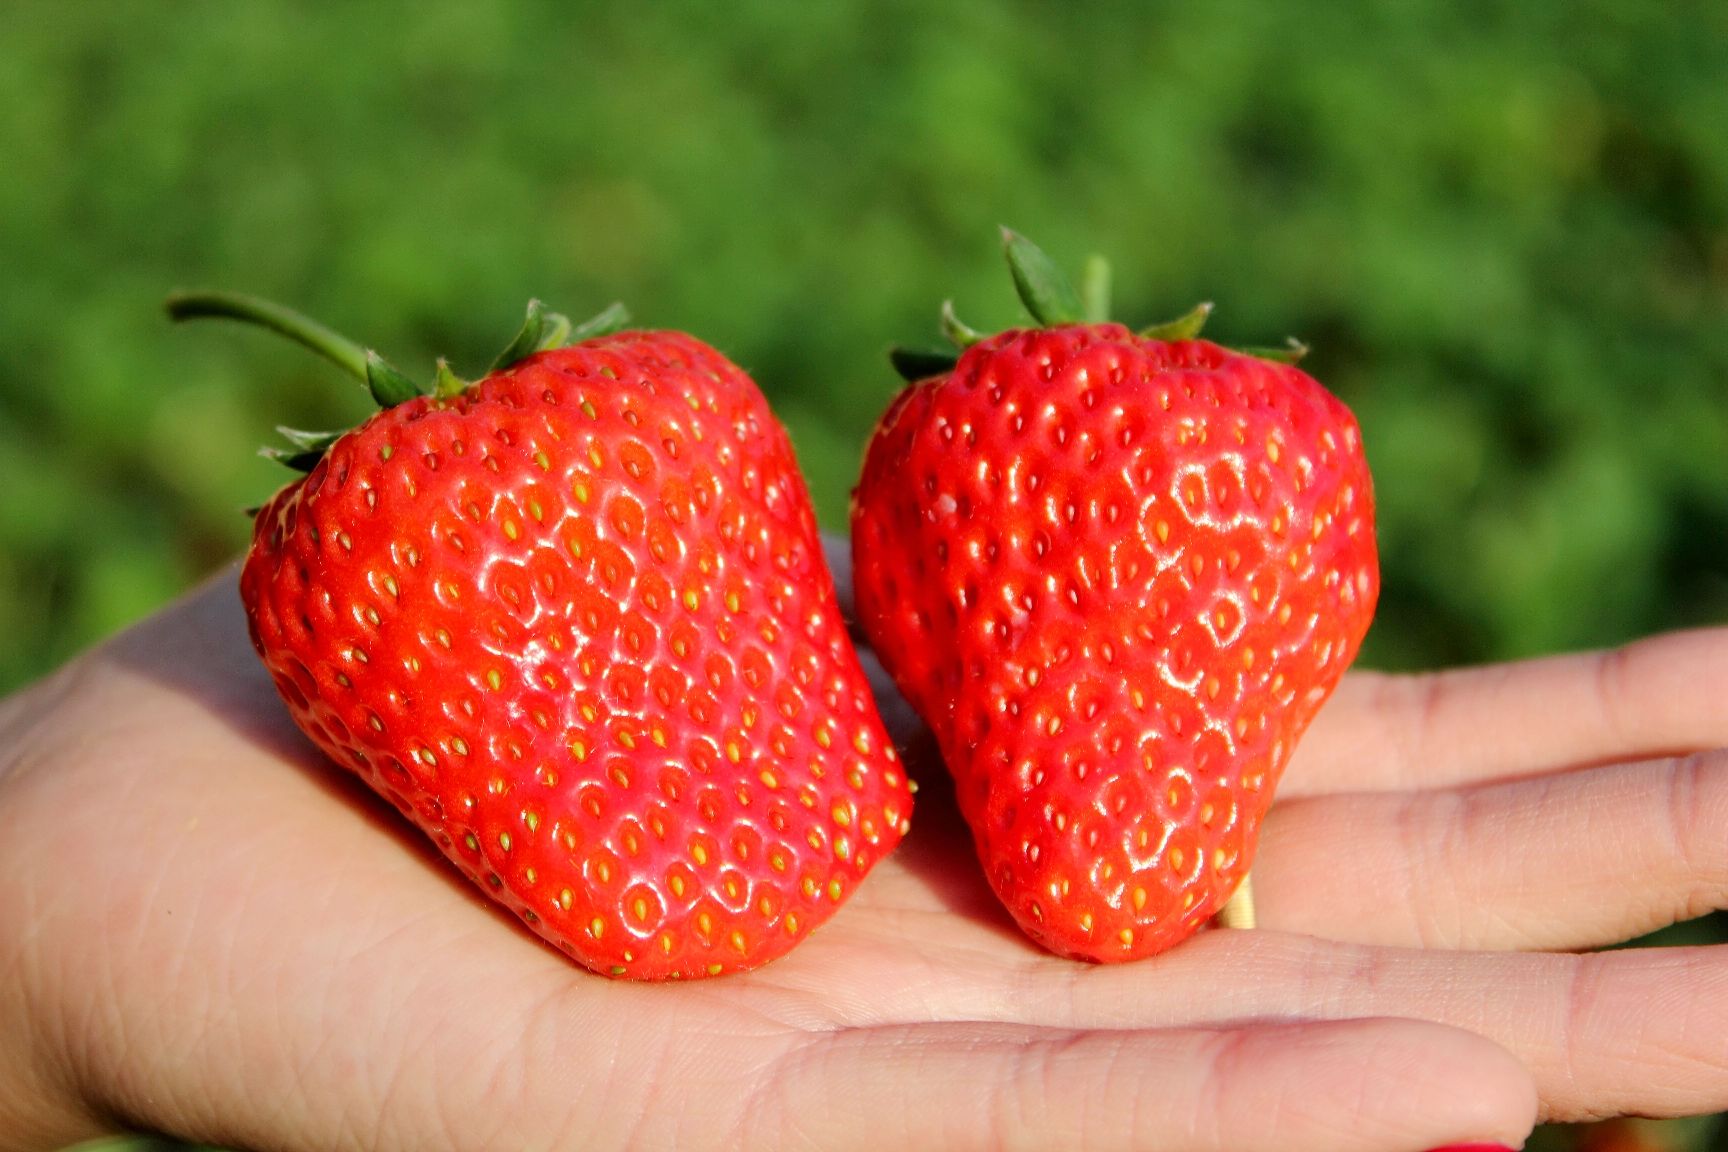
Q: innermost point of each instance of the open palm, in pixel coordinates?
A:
(217, 934)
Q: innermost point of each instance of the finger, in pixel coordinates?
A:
(1636, 1031)
(1655, 697)
(1559, 862)
(1326, 1086)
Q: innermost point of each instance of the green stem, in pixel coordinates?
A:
(1095, 290)
(339, 350)
(388, 386)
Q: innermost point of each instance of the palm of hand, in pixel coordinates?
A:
(229, 939)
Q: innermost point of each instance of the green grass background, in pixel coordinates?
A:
(1503, 228)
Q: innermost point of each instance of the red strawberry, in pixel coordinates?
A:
(573, 620)
(1117, 574)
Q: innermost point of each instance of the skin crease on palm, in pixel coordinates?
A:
(208, 930)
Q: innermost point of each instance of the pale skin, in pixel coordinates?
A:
(207, 930)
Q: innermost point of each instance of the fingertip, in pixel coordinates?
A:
(1432, 1086)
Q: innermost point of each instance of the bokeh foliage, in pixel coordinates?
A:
(1504, 228)
(1503, 231)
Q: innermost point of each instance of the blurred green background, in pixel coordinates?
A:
(1503, 228)
(1506, 238)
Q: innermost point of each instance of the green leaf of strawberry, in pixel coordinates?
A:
(574, 622)
(1045, 291)
(540, 331)
(1117, 574)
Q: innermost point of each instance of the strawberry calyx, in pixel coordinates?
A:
(1043, 288)
(541, 331)
(1053, 301)
(1185, 327)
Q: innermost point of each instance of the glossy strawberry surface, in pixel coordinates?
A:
(574, 622)
(1117, 576)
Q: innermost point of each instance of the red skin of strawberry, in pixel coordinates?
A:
(1117, 577)
(575, 623)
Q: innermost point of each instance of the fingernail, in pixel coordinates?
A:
(1474, 1148)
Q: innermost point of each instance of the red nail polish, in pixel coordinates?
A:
(1474, 1148)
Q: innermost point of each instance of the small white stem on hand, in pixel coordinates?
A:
(1238, 911)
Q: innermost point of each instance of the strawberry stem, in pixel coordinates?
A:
(388, 386)
(1238, 910)
(339, 350)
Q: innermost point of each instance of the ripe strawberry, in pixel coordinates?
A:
(1117, 575)
(574, 622)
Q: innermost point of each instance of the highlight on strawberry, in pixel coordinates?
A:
(1117, 573)
(572, 619)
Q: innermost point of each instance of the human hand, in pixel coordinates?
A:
(211, 931)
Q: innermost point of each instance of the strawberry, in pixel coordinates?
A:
(1117, 574)
(573, 621)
